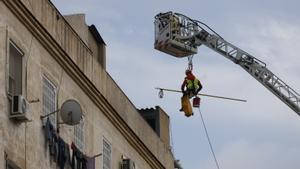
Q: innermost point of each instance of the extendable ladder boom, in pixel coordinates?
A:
(254, 67)
(185, 35)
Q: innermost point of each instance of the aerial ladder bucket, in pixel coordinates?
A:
(168, 36)
(179, 36)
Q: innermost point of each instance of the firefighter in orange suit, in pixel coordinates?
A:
(190, 86)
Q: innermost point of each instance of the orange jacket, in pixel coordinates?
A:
(189, 76)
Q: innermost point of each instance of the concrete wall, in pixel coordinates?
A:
(24, 142)
(161, 122)
(77, 22)
(120, 102)
(164, 126)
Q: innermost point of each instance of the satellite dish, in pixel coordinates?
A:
(71, 112)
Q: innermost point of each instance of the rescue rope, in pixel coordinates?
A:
(172, 143)
(208, 139)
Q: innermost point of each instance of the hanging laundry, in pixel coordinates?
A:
(48, 128)
(67, 154)
(90, 162)
(51, 139)
(59, 150)
(78, 160)
(61, 153)
(55, 147)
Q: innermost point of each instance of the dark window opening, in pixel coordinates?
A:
(15, 75)
(11, 165)
(151, 123)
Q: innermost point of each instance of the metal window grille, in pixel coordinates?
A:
(79, 136)
(49, 100)
(106, 155)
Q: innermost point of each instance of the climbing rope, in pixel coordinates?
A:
(171, 135)
(208, 139)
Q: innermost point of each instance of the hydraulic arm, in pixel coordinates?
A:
(179, 35)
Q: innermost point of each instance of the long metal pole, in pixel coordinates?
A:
(207, 95)
(50, 114)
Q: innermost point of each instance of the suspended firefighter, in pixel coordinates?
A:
(190, 88)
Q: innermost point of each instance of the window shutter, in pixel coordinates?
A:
(49, 100)
(106, 155)
(79, 136)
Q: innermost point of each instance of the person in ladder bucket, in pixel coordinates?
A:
(190, 88)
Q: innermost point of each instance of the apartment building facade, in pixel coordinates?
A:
(47, 59)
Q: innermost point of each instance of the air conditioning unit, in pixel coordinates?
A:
(19, 108)
(128, 164)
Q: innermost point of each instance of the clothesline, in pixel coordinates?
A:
(59, 123)
(100, 154)
(60, 151)
(70, 135)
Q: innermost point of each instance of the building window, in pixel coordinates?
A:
(128, 164)
(79, 136)
(11, 165)
(49, 100)
(15, 77)
(106, 155)
(8, 166)
(15, 73)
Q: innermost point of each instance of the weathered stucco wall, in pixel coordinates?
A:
(24, 142)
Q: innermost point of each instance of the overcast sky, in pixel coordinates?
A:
(263, 133)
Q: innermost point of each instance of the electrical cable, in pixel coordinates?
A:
(25, 146)
(26, 90)
(208, 28)
(196, 22)
(209, 141)
(26, 68)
